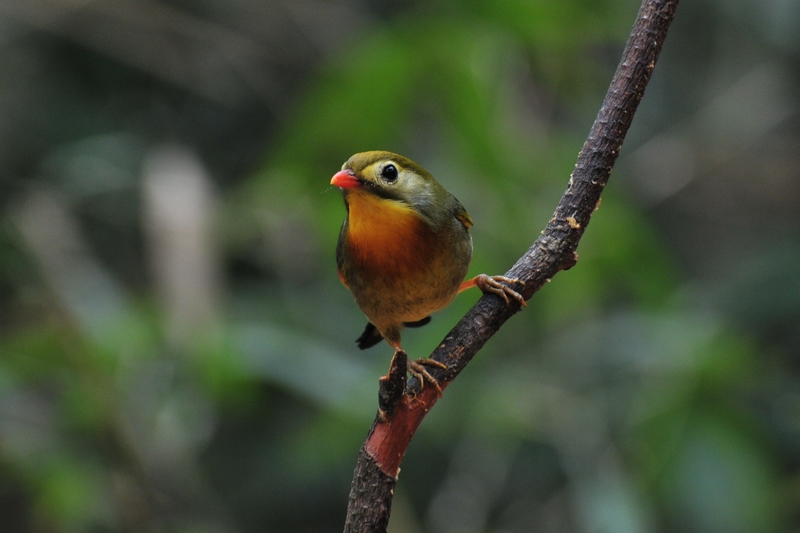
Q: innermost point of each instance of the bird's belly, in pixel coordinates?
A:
(390, 299)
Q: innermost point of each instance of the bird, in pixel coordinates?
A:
(404, 249)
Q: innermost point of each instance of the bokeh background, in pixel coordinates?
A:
(176, 351)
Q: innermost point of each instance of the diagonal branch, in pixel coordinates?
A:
(555, 250)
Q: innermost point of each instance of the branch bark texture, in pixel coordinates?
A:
(554, 251)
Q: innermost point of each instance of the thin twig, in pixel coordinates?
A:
(554, 251)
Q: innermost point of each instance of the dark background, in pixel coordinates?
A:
(176, 351)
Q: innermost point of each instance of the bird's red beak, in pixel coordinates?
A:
(345, 179)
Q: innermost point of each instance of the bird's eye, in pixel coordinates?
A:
(389, 172)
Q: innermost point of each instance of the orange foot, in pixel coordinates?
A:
(493, 285)
(417, 369)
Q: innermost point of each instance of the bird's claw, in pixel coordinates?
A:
(497, 285)
(417, 369)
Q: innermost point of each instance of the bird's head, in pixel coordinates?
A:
(392, 177)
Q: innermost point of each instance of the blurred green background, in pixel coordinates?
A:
(176, 351)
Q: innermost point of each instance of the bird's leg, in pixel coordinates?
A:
(400, 365)
(493, 285)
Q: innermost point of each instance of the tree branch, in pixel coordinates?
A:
(389, 437)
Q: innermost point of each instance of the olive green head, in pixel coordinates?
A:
(395, 177)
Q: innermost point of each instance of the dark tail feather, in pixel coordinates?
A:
(370, 337)
(418, 323)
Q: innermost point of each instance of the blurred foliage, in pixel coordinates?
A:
(176, 351)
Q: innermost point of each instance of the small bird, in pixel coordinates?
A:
(404, 248)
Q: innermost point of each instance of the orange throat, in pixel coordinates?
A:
(387, 234)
